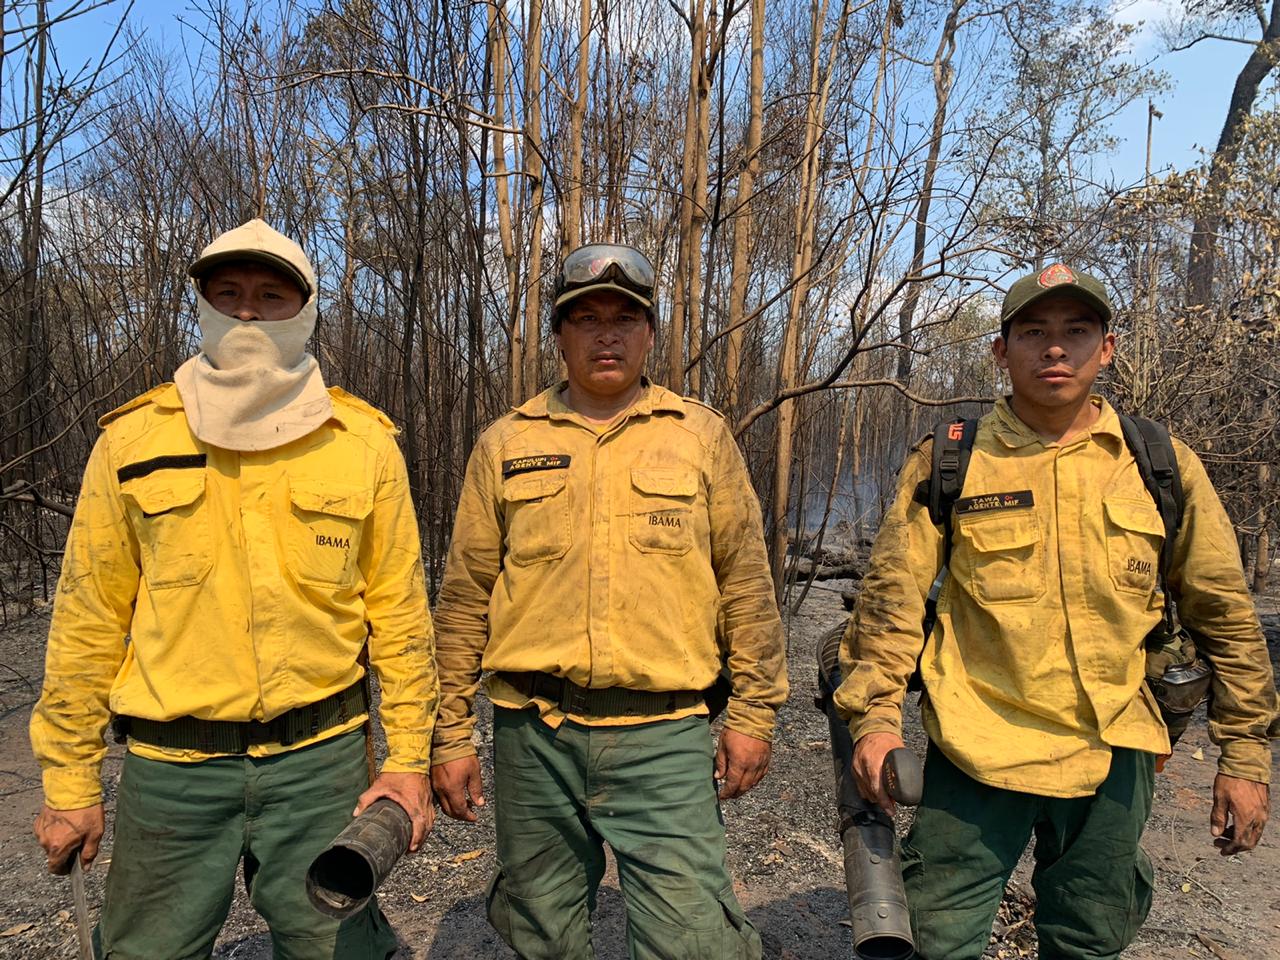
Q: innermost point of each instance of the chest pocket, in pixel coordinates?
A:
(322, 542)
(1007, 557)
(537, 515)
(171, 519)
(661, 515)
(1135, 534)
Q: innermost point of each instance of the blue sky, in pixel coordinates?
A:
(1194, 106)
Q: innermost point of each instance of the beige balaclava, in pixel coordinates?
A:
(253, 386)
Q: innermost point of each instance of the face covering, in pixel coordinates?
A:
(253, 386)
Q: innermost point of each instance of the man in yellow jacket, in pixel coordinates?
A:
(241, 536)
(604, 527)
(1038, 718)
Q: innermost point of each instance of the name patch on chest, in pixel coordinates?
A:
(995, 501)
(539, 461)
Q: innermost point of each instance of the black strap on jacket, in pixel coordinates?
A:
(1153, 451)
(235, 737)
(600, 701)
(952, 449)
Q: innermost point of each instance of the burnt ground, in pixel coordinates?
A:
(783, 850)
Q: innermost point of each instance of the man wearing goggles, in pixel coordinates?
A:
(607, 548)
(605, 266)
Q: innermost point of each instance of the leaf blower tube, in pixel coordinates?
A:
(872, 872)
(344, 876)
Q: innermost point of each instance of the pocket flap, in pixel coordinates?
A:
(667, 483)
(335, 499)
(1138, 515)
(1002, 533)
(164, 490)
(533, 486)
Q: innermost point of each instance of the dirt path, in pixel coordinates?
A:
(784, 854)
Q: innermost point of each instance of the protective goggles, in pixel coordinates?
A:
(606, 266)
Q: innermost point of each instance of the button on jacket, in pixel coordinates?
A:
(606, 554)
(1036, 666)
(246, 583)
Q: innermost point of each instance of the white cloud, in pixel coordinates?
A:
(1147, 16)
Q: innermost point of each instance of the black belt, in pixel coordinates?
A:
(601, 701)
(233, 736)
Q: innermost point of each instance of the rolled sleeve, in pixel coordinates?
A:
(752, 636)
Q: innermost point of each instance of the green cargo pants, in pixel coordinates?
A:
(645, 790)
(181, 829)
(1091, 878)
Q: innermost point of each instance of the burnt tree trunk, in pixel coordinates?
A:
(1201, 259)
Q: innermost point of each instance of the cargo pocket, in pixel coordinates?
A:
(661, 519)
(171, 518)
(497, 908)
(1007, 558)
(741, 940)
(539, 928)
(1144, 882)
(537, 513)
(1135, 534)
(707, 930)
(322, 544)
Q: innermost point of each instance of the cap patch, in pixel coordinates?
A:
(1056, 274)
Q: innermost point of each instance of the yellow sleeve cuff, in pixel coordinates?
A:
(408, 753)
(72, 788)
(1246, 759)
(405, 766)
(750, 719)
(876, 720)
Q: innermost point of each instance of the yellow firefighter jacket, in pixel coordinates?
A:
(1035, 669)
(233, 586)
(606, 555)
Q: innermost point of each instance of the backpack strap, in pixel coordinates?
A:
(952, 449)
(1152, 450)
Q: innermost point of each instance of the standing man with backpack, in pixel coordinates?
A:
(1038, 717)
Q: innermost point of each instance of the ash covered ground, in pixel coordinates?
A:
(783, 850)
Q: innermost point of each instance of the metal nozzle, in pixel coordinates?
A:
(872, 872)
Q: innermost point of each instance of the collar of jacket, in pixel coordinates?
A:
(653, 399)
(1014, 433)
(167, 397)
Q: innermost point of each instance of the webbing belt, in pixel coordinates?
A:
(231, 736)
(600, 701)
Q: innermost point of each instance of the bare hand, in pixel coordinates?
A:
(741, 762)
(868, 765)
(413, 792)
(62, 832)
(458, 785)
(1240, 811)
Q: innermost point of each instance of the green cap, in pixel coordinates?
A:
(1052, 281)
